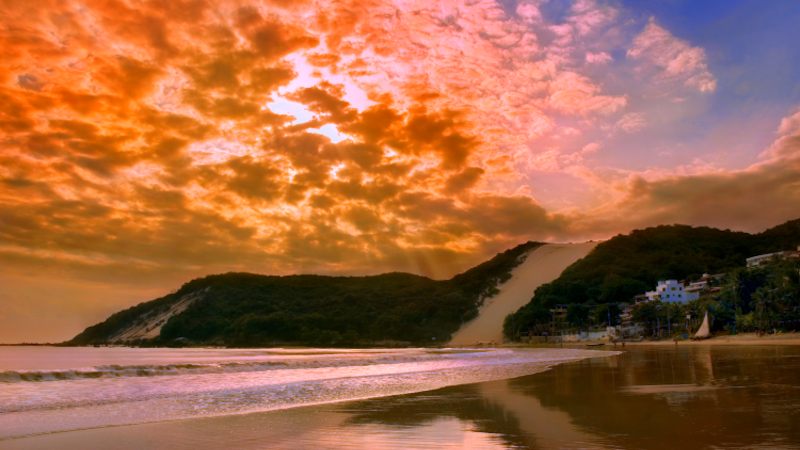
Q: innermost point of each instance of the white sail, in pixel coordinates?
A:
(705, 330)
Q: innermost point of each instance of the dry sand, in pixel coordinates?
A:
(738, 339)
(151, 327)
(543, 265)
(719, 339)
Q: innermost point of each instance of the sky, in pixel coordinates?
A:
(145, 143)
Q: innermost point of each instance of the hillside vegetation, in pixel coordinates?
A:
(628, 265)
(245, 310)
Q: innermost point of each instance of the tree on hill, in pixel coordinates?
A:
(781, 237)
(607, 313)
(628, 265)
(247, 310)
(577, 314)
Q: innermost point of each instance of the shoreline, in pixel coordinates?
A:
(737, 339)
(73, 407)
(720, 339)
(550, 410)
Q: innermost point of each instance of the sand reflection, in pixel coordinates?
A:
(656, 398)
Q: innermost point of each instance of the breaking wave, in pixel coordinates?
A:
(116, 371)
(37, 402)
(331, 359)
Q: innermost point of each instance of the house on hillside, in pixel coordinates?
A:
(696, 289)
(760, 260)
(627, 328)
(669, 291)
(626, 310)
(559, 313)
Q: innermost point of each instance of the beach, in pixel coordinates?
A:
(46, 390)
(700, 397)
(747, 339)
(736, 339)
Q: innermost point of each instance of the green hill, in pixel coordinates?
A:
(627, 265)
(243, 309)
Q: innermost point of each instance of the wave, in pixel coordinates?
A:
(329, 359)
(205, 390)
(116, 371)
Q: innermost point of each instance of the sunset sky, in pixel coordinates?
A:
(146, 143)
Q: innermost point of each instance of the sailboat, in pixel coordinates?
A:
(705, 330)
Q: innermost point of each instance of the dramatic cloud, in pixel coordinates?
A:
(145, 143)
(632, 122)
(673, 60)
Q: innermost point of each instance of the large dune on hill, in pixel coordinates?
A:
(543, 265)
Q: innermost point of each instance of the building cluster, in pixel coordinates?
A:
(760, 260)
(666, 291)
(674, 291)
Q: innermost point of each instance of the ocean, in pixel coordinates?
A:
(46, 390)
(698, 397)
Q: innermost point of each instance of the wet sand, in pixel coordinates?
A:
(700, 397)
(738, 339)
(543, 265)
(748, 339)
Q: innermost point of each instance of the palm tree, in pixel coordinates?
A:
(736, 289)
(765, 306)
(792, 287)
(745, 321)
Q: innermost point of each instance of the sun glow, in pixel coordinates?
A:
(233, 135)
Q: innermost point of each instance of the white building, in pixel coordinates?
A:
(670, 291)
(578, 336)
(760, 260)
(693, 290)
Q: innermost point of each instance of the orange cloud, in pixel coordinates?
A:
(137, 142)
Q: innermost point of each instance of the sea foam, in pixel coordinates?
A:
(45, 401)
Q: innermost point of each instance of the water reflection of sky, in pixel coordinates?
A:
(657, 398)
(700, 397)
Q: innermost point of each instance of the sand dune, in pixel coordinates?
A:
(542, 265)
(150, 325)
